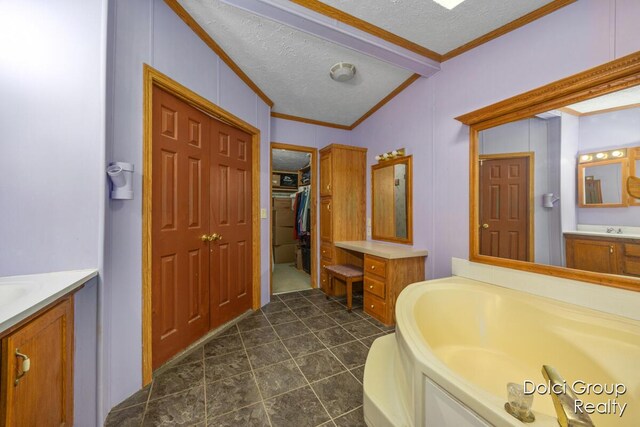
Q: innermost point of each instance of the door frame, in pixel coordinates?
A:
(314, 200)
(530, 156)
(151, 78)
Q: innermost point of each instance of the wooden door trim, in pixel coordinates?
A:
(151, 78)
(314, 202)
(530, 155)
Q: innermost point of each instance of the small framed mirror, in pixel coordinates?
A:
(391, 198)
(601, 183)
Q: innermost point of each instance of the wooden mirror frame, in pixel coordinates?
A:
(610, 77)
(624, 174)
(634, 158)
(408, 160)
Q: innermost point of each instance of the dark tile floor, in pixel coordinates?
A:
(299, 361)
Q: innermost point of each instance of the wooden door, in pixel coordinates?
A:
(180, 217)
(42, 396)
(592, 255)
(230, 211)
(326, 220)
(504, 208)
(325, 174)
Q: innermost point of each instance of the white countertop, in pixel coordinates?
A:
(22, 296)
(601, 230)
(382, 250)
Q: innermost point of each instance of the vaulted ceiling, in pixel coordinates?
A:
(290, 63)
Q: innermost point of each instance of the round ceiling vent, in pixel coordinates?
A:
(342, 71)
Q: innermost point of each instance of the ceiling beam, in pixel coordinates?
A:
(334, 31)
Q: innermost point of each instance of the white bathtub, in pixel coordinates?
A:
(458, 342)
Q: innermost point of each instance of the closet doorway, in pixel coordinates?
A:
(293, 218)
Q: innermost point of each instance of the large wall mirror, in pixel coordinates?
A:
(391, 199)
(548, 178)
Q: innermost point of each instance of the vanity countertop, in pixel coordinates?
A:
(22, 296)
(603, 234)
(382, 250)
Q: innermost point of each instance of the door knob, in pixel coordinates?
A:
(485, 226)
(205, 238)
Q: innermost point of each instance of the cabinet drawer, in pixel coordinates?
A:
(326, 220)
(375, 266)
(324, 281)
(326, 252)
(631, 249)
(374, 306)
(632, 266)
(374, 286)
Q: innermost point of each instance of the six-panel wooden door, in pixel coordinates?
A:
(504, 208)
(201, 224)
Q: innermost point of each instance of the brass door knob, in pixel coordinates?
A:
(205, 238)
(216, 236)
(485, 226)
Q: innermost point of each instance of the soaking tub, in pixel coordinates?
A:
(458, 342)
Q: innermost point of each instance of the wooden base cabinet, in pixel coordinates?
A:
(602, 254)
(384, 279)
(40, 391)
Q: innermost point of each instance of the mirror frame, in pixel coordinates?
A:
(624, 173)
(610, 77)
(634, 157)
(409, 162)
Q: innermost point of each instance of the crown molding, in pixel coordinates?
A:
(206, 38)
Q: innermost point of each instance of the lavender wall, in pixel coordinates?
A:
(607, 131)
(52, 193)
(422, 118)
(147, 31)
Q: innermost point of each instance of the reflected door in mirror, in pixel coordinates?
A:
(504, 207)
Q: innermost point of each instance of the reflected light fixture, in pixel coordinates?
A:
(617, 153)
(601, 156)
(585, 157)
(449, 4)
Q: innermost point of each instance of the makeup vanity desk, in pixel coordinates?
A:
(388, 269)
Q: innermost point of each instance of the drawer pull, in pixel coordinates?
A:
(611, 249)
(329, 187)
(373, 267)
(370, 286)
(372, 306)
(26, 365)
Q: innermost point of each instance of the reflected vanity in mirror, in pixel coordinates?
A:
(549, 179)
(391, 199)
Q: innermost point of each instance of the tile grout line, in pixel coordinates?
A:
(146, 404)
(336, 357)
(253, 374)
(204, 387)
(303, 376)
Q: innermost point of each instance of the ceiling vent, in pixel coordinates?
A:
(342, 71)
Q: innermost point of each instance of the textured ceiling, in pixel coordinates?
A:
(431, 25)
(287, 160)
(621, 98)
(292, 67)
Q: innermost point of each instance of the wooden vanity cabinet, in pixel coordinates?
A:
(602, 254)
(42, 396)
(342, 206)
(384, 279)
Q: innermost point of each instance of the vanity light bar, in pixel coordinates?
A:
(400, 152)
(618, 153)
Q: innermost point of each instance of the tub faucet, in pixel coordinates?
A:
(565, 403)
(610, 229)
